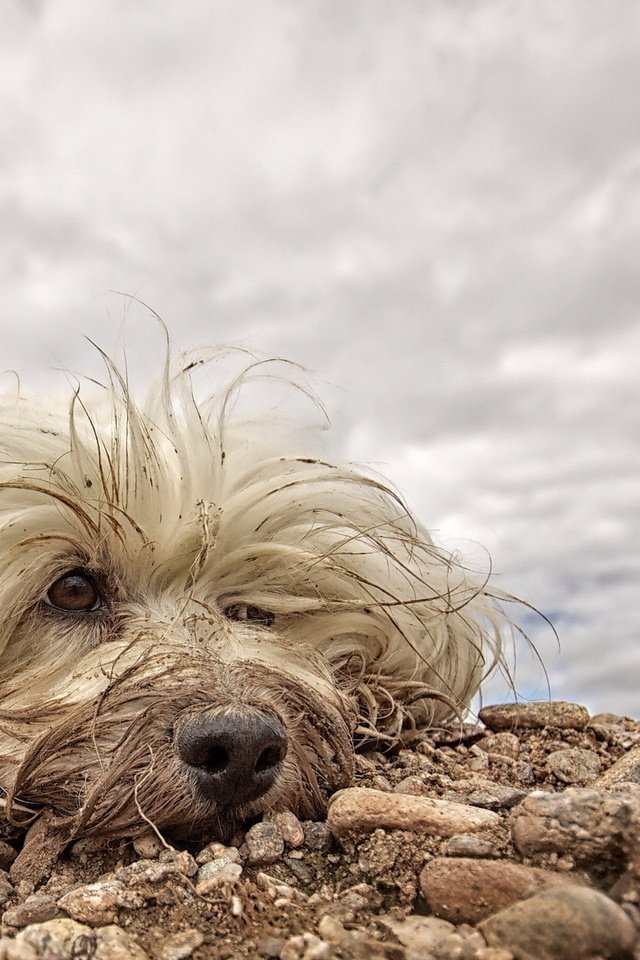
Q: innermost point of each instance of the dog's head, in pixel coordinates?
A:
(197, 617)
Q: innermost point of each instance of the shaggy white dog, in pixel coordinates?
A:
(200, 617)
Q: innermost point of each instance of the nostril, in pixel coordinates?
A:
(216, 760)
(269, 758)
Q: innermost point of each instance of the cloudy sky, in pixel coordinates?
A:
(434, 205)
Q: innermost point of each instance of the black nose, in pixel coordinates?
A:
(233, 757)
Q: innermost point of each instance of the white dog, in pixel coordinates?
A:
(200, 617)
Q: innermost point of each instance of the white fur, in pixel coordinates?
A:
(185, 509)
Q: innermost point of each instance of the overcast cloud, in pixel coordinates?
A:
(434, 205)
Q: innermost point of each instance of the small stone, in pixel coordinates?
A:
(293, 948)
(218, 851)
(53, 939)
(178, 946)
(359, 810)
(464, 890)
(470, 845)
(185, 863)
(276, 887)
(567, 923)
(38, 908)
(626, 769)
(95, 903)
(454, 947)
(290, 828)
(7, 855)
(535, 716)
(331, 929)
(318, 951)
(112, 943)
(264, 843)
(420, 935)
(317, 836)
(147, 871)
(270, 946)
(148, 846)
(214, 874)
(237, 906)
(494, 796)
(6, 889)
(574, 765)
(501, 744)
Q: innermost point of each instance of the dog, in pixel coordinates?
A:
(202, 618)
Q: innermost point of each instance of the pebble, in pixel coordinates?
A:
(264, 843)
(421, 936)
(358, 810)
(501, 744)
(331, 929)
(567, 923)
(37, 908)
(493, 796)
(537, 715)
(290, 828)
(147, 871)
(412, 785)
(6, 889)
(214, 874)
(185, 863)
(178, 946)
(52, 938)
(626, 769)
(573, 765)
(465, 890)
(217, 851)
(7, 855)
(112, 943)
(95, 903)
(317, 836)
(305, 946)
(148, 846)
(586, 824)
(470, 845)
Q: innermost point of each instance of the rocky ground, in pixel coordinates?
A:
(517, 838)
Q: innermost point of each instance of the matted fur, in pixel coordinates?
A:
(183, 511)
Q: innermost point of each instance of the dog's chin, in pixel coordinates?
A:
(117, 767)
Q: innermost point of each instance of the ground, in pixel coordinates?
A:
(466, 843)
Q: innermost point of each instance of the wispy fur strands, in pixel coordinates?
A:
(189, 516)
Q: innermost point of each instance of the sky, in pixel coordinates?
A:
(432, 205)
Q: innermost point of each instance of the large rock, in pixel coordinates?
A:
(465, 890)
(359, 810)
(567, 923)
(527, 716)
(593, 826)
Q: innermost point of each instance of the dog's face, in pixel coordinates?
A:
(196, 621)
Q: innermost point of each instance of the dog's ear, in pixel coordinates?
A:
(414, 660)
(408, 631)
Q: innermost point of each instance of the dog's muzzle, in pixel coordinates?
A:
(232, 758)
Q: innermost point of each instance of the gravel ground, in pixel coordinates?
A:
(517, 838)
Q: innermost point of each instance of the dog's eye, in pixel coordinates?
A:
(75, 592)
(246, 611)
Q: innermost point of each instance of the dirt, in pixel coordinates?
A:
(353, 892)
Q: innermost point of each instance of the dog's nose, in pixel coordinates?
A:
(235, 757)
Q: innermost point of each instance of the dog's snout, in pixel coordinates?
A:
(233, 757)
